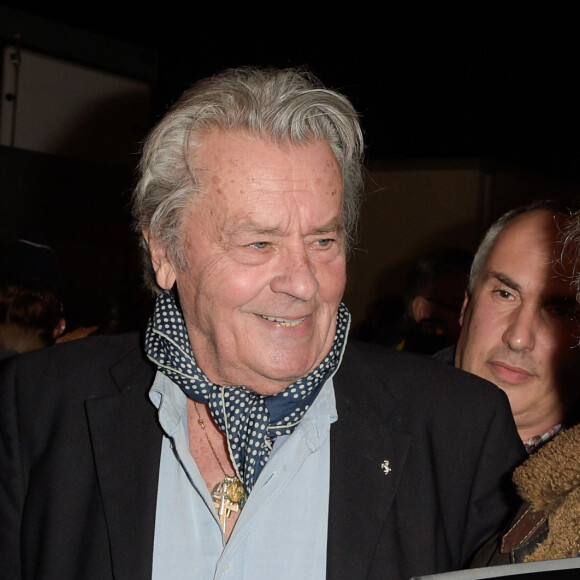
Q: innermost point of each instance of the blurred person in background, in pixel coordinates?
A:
(31, 308)
(434, 296)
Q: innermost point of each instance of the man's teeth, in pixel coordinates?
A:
(284, 321)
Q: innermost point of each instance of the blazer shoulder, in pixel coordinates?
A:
(103, 346)
(416, 381)
(85, 367)
(397, 366)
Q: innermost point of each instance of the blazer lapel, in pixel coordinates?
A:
(127, 446)
(367, 460)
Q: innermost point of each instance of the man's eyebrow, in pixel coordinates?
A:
(251, 226)
(504, 279)
(563, 300)
(335, 224)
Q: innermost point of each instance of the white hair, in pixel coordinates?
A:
(289, 106)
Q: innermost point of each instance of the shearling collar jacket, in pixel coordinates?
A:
(547, 525)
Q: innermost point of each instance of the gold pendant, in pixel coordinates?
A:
(228, 496)
(235, 491)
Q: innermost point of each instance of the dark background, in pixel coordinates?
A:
(428, 82)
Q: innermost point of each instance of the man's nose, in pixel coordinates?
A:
(520, 334)
(295, 274)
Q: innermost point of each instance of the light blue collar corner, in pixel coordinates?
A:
(170, 402)
(316, 422)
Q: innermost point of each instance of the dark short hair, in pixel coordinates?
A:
(430, 268)
(31, 305)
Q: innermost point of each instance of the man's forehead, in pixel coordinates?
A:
(535, 236)
(529, 250)
(219, 149)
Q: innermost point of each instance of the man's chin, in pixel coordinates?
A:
(271, 380)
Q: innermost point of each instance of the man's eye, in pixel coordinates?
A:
(504, 294)
(565, 309)
(324, 243)
(259, 245)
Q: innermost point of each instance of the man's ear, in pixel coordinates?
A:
(59, 329)
(163, 268)
(421, 308)
(464, 308)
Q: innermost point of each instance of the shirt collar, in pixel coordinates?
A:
(171, 401)
(534, 443)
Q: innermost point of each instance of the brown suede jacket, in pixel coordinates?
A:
(547, 525)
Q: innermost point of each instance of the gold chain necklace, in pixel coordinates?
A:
(229, 494)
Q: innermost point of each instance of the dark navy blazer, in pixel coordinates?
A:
(421, 458)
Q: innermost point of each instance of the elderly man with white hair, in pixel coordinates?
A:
(247, 437)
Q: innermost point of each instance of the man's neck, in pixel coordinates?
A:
(534, 442)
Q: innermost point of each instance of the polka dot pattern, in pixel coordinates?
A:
(251, 422)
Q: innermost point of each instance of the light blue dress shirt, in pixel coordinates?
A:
(282, 530)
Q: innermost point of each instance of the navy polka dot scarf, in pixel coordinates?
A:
(251, 422)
